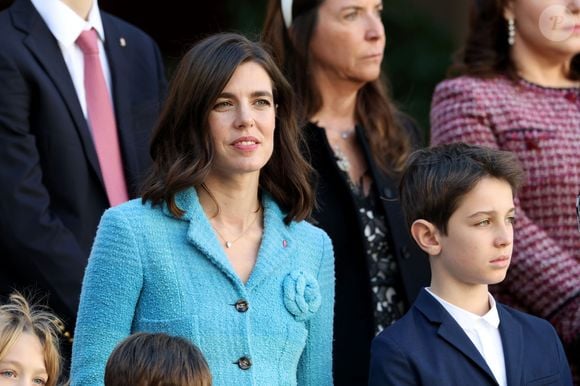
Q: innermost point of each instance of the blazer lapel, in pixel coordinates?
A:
(450, 331)
(415, 273)
(45, 49)
(115, 47)
(512, 342)
(277, 244)
(200, 233)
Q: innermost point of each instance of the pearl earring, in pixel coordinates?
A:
(511, 32)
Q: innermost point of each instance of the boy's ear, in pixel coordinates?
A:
(426, 235)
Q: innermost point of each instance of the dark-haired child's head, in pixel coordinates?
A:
(147, 359)
(29, 343)
(436, 179)
(458, 201)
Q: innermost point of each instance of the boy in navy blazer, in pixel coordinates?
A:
(458, 202)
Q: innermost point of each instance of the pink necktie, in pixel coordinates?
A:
(102, 120)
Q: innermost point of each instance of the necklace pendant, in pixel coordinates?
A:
(228, 244)
(345, 134)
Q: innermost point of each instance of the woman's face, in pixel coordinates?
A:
(242, 122)
(23, 364)
(348, 41)
(550, 28)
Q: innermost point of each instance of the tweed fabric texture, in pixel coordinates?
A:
(149, 271)
(542, 127)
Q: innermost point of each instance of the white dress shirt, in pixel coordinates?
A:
(483, 332)
(66, 26)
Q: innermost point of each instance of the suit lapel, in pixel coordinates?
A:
(450, 331)
(414, 271)
(512, 342)
(200, 233)
(277, 243)
(119, 67)
(45, 49)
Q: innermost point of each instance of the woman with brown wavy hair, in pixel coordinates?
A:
(332, 52)
(516, 87)
(217, 250)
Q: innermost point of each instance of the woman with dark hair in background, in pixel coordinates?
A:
(519, 90)
(332, 52)
(217, 250)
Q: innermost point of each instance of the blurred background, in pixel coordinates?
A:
(422, 37)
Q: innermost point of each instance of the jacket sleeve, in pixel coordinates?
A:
(538, 261)
(110, 291)
(33, 238)
(315, 366)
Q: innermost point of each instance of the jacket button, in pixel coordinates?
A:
(241, 305)
(244, 363)
(405, 252)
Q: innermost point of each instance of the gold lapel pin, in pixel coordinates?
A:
(123, 42)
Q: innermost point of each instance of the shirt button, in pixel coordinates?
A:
(244, 363)
(241, 305)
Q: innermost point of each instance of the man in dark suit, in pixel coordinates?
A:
(52, 191)
(459, 204)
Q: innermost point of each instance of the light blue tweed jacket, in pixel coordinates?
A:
(149, 271)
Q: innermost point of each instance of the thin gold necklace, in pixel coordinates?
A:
(229, 243)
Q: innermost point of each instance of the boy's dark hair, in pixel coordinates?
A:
(436, 179)
(146, 359)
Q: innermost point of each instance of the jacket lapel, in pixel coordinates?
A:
(119, 65)
(200, 233)
(450, 331)
(512, 342)
(412, 262)
(277, 243)
(45, 49)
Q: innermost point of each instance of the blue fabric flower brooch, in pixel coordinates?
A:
(301, 295)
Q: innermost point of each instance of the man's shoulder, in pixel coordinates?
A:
(128, 30)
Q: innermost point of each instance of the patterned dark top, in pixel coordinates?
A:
(388, 306)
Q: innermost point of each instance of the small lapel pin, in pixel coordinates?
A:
(284, 243)
(122, 42)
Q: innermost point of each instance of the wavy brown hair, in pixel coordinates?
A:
(181, 147)
(486, 52)
(377, 114)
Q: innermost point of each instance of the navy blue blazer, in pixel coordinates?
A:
(51, 190)
(427, 347)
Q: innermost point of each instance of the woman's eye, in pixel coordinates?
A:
(351, 15)
(263, 103)
(39, 381)
(222, 105)
(483, 223)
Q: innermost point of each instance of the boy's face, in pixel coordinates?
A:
(478, 246)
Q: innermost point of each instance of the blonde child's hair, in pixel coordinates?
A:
(17, 316)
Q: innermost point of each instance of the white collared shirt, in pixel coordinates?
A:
(66, 26)
(483, 332)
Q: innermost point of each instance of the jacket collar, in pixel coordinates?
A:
(450, 331)
(276, 247)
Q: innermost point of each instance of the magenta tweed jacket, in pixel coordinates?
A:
(542, 126)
